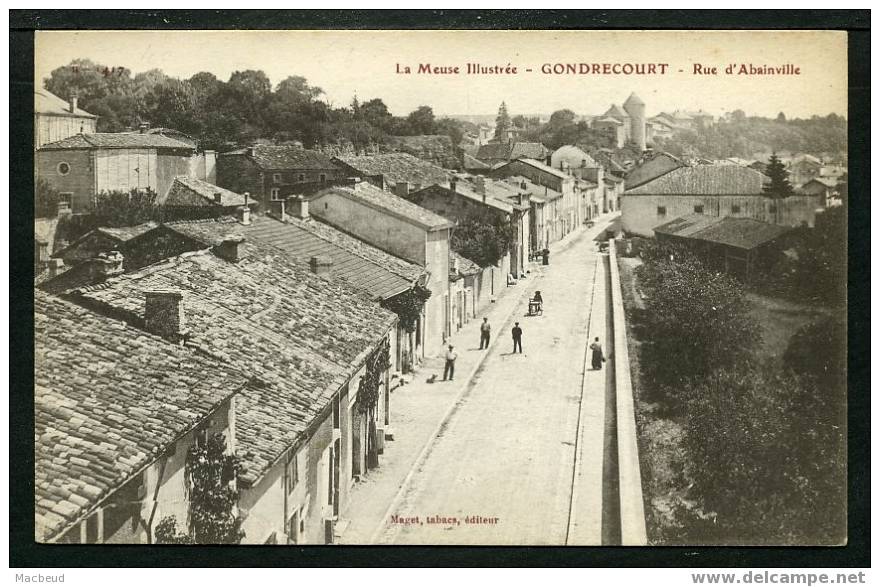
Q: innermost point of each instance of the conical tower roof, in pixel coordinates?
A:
(633, 100)
(616, 112)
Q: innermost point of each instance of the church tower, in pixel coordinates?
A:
(636, 110)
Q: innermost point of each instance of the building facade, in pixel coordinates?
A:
(56, 119)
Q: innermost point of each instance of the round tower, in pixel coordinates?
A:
(636, 110)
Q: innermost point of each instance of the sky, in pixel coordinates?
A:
(364, 63)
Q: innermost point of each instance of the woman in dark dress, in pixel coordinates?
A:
(598, 357)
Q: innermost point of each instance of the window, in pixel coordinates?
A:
(661, 210)
(735, 209)
(276, 178)
(322, 177)
(63, 168)
(301, 177)
(65, 201)
(275, 194)
(698, 209)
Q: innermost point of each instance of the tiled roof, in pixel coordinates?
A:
(473, 163)
(537, 193)
(576, 156)
(633, 100)
(609, 120)
(708, 180)
(397, 206)
(509, 151)
(108, 399)
(544, 168)
(367, 268)
(742, 233)
(125, 233)
(466, 267)
(397, 168)
(189, 191)
(616, 112)
(45, 102)
(281, 157)
(117, 140)
(496, 194)
(301, 335)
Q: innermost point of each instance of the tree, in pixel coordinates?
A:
(483, 236)
(167, 532)
(780, 117)
(211, 476)
(818, 351)
(45, 200)
(119, 208)
(779, 186)
(421, 121)
(502, 122)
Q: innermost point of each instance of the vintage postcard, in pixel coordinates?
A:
(424, 287)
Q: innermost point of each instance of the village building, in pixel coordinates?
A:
(803, 168)
(317, 353)
(272, 173)
(82, 166)
(56, 119)
(651, 168)
(825, 188)
(624, 125)
(496, 153)
(545, 205)
(464, 285)
(712, 190)
(400, 173)
(191, 198)
(562, 217)
(473, 165)
(116, 409)
(435, 149)
(404, 230)
(743, 247)
(100, 240)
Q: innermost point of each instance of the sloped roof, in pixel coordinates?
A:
(395, 205)
(474, 163)
(189, 191)
(367, 268)
(281, 157)
(45, 102)
(301, 335)
(117, 140)
(633, 100)
(708, 180)
(608, 120)
(616, 112)
(397, 168)
(510, 151)
(543, 167)
(741, 233)
(466, 267)
(571, 152)
(108, 399)
(537, 193)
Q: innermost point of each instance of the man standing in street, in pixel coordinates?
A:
(449, 369)
(517, 338)
(485, 334)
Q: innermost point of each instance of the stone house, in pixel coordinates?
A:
(405, 230)
(82, 166)
(116, 409)
(272, 173)
(56, 119)
(400, 173)
(308, 424)
(497, 153)
(804, 168)
(713, 190)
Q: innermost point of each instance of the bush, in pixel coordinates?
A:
(698, 318)
(768, 454)
(483, 237)
(45, 200)
(818, 350)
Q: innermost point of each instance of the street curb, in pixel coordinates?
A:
(578, 442)
(453, 407)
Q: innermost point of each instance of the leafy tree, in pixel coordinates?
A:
(45, 200)
(167, 532)
(483, 236)
(119, 208)
(211, 477)
(502, 122)
(779, 186)
(408, 306)
(767, 451)
(780, 117)
(421, 121)
(698, 319)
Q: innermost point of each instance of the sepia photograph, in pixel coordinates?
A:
(440, 287)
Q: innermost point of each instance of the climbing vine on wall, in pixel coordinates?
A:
(368, 390)
(211, 476)
(408, 305)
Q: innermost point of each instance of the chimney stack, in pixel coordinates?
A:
(218, 198)
(74, 103)
(54, 267)
(243, 213)
(321, 264)
(480, 183)
(42, 252)
(298, 207)
(229, 249)
(164, 315)
(106, 265)
(143, 127)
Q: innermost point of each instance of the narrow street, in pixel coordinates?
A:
(503, 468)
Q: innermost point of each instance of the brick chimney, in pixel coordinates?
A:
(74, 103)
(230, 248)
(453, 183)
(54, 267)
(243, 214)
(298, 207)
(144, 127)
(321, 264)
(42, 252)
(106, 265)
(164, 315)
(480, 186)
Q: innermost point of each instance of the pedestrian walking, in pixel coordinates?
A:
(517, 338)
(598, 357)
(485, 334)
(449, 369)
